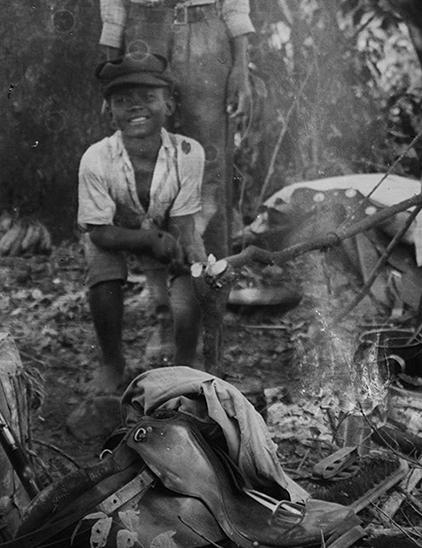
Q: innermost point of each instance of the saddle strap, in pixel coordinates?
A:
(79, 494)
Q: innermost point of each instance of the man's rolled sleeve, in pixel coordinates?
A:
(188, 200)
(235, 14)
(113, 16)
(95, 205)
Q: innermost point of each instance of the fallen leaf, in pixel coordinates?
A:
(164, 540)
(130, 519)
(99, 532)
(126, 539)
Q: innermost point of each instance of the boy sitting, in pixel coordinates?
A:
(139, 192)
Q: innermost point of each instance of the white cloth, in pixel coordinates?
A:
(392, 190)
(246, 434)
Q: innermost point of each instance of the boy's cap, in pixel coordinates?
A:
(151, 70)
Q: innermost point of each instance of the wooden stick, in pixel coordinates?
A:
(281, 135)
(377, 268)
(374, 532)
(393, 503)
(57, 450)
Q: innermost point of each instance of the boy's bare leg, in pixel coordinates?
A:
(160, 344)
(186, 320)
(106, 304)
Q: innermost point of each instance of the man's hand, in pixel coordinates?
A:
(238, 94)
(164, 247)
(112, 53)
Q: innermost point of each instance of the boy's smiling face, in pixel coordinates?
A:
(140, 111)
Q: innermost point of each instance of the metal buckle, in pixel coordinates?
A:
(181, 14)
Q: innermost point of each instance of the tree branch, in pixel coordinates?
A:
(255, 254)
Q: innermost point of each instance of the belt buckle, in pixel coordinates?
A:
(180, 14)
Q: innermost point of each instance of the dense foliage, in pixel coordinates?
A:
(336, 83)
(343, 94)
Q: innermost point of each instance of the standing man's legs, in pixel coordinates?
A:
(201, 59)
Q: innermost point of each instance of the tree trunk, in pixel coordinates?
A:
(14, 408)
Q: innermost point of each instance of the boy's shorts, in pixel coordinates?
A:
(104, 266)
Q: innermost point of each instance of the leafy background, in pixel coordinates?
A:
(339, 80)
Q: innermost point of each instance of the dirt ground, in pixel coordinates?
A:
(271, 354)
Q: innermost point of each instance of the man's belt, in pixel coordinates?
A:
(174, 3)
(187, 11)
(184, 14)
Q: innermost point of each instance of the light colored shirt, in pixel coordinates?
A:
(235, 14)
(107, 186)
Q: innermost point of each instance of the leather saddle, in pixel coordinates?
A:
(164, 485)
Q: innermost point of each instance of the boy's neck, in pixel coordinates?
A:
(146, 147)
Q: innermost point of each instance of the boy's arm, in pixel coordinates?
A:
(184, 231)
(162, 245)
(96, 211)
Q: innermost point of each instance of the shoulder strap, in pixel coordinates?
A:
(175, 144)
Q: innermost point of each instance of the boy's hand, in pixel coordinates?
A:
(164, 247)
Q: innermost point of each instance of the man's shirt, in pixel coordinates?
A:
(107, 186)
(235, 14)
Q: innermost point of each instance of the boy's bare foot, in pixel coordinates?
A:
(108, 380)
(160, 344)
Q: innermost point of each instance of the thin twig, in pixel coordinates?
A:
(385, 441)
(280, 138)
(242, 188)
(267, 327)
(415, 334)
(365, 199)
(57, 450)
(363, 26)
(32, 358)
(414, 502)
(395, 524)
(377, 268)
(302, 462)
